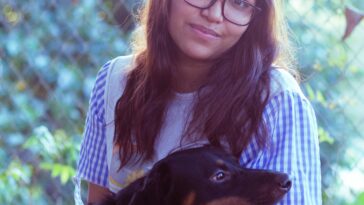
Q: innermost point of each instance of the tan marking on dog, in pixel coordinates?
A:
(220, 162)
(229, 201)
(189, 199)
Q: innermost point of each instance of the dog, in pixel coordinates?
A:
(203, 176)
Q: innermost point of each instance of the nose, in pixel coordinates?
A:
(285, 183)
(214, 13)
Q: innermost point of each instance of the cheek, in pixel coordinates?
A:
(177, 13)
(234, 33)
(173, 28)
(175, 24)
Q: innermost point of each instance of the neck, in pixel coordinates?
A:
(190, 74)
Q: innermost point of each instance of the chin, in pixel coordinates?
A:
(201, 54)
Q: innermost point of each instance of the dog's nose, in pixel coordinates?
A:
(285, 184)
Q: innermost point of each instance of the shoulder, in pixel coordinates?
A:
(282, 81)
(121, 65)
(286, 99)
(109, 82)
(113, 67)
(113, 71)
(117, 72)
(116, 81)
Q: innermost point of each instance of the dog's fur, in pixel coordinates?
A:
(203, 176)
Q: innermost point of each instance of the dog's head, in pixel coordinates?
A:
(205, 176)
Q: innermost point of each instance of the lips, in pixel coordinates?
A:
(205, 30)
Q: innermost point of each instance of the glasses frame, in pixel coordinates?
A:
(255, 10)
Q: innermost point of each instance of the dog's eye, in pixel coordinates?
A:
(220, 176)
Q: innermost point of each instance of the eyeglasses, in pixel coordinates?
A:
(238, 12)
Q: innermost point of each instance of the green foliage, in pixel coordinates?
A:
(331, 77)
(359, 200)
(50, 53)
(55, 152)
(14, 180)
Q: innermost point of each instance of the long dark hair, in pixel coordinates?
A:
(239, 83)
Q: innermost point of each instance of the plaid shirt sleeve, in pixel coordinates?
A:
(92, 164)
(293, 147)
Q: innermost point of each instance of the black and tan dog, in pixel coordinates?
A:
(203, 176)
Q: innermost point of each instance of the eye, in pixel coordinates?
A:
(240, 3)
(220, 176)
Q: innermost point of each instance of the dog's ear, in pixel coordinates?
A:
(160, 181)
(128, 195)
(154, 188)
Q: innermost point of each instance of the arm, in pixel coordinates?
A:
(293, 147)
(96, 193)
(92, 165)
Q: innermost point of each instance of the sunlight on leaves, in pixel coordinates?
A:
(324, 136)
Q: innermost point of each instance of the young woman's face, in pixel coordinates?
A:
(202, 34)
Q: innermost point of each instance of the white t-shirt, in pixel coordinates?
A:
(169, 138)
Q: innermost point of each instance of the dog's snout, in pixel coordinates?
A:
(285, 184)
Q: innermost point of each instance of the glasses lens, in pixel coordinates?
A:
(238, 11)
(199, 3)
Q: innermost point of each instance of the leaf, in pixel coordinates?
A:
(19, 171)
(325, 136)
(310, 92)
(65, 172)
(57, 170)
(30, 142)
(46, 138)
(64, 177)
(359, 200)
(320, 97)
(46, 166)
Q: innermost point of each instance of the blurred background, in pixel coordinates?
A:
(50, 52)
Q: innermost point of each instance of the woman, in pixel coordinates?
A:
(204, 71)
